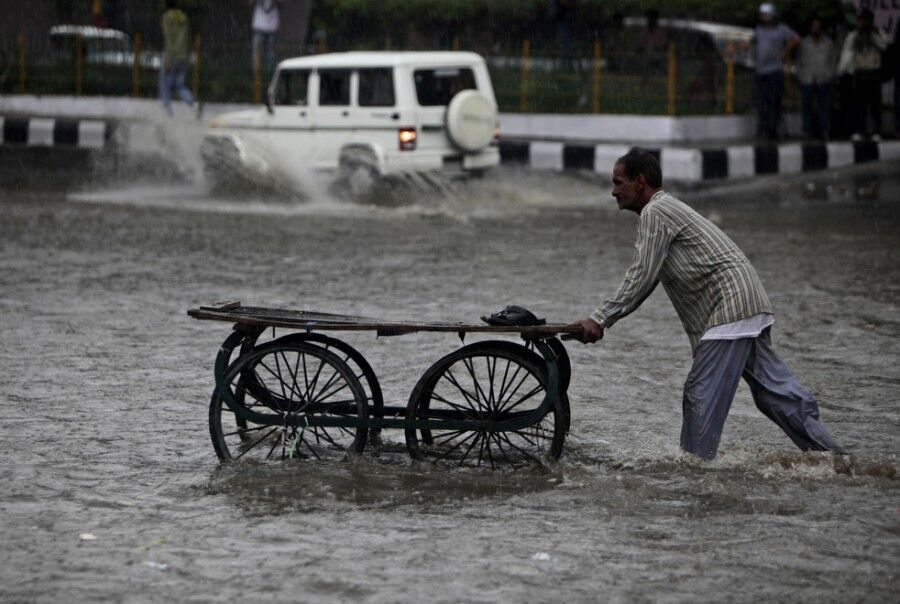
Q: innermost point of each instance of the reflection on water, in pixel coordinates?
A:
(104, 423)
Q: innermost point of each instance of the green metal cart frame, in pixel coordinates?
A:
(308, 395)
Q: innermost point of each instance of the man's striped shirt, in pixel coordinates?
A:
(707, 277)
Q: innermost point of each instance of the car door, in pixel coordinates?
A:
(334, 116)
(376, 117)
(290, 122)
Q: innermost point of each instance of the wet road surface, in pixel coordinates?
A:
(110, 490)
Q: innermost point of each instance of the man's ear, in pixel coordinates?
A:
(640, 181)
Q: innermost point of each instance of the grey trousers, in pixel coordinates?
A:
(713, 380)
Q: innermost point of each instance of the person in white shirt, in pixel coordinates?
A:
(815, 70)
(266, 20)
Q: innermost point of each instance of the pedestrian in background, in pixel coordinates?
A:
(772, 43)
(266, 20)
(815, 70)
(176, 53)
(861, 56)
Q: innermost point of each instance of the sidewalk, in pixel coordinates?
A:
(701, 162)
(690, 148)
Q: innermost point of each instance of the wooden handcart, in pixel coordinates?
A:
(309, 395)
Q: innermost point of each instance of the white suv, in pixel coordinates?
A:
(386, 113)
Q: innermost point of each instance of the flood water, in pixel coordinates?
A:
(110, 489)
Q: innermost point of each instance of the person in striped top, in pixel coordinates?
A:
(721, 303)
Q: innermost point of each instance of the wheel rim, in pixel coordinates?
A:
(289, 383)
(490, 381)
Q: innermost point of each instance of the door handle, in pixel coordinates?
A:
(302, 114)
(345, 113)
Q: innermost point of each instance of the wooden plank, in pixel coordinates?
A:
(316, 321)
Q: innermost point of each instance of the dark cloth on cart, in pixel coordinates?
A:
(712, 382)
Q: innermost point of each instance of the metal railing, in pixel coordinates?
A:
(527, 78)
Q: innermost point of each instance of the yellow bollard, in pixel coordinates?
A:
(79, 64)
(729, 80)
(196, 87)
(673, 78)
(598, 53)
(257, 78)
(136, 67)
(526, 68)
(23, 46)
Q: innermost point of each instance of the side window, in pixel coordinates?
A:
(292, 87)
(376, 88)
(438, 86)
(334, 87)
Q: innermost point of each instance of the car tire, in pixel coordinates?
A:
(358, 177)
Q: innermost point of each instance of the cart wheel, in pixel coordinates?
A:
(485, 381)
(357, 363)
(286, 383)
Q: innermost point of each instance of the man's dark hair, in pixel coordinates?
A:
(171, 3)
(637, 162)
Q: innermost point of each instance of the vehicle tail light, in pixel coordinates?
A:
(407, 137)
(496, 139)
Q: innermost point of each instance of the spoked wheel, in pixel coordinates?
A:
(357, 363)
(285, 385)
(492, 381)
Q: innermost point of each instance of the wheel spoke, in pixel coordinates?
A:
(310, 447)
(512, 392)
(503, 382)
(334, 375)
(448, 375)
(327, 436)
(448, 436)
(490, 373)
(256, 442)
(277, 377)
(467, 410)
(471, 446)
(295, 387)
(243, 431)
(322, 397)
(506, 456)
(487, 442)
(312, 389)
(280, 377)
(455, 447)
(524, 398)
(507, 385)
(522, 451)
(470, 365)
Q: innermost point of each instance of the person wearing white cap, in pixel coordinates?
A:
(772, 42)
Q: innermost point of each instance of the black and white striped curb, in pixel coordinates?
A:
(52, 132)
(692, 164)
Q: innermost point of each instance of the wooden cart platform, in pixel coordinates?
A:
(309, 395)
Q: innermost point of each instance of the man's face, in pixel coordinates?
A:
(626, 191)
(815, 28)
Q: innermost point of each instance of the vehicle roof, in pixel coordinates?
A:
(88, 31)
(716, 30)
(382, 59)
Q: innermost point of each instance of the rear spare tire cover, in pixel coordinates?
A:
(470, 121)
